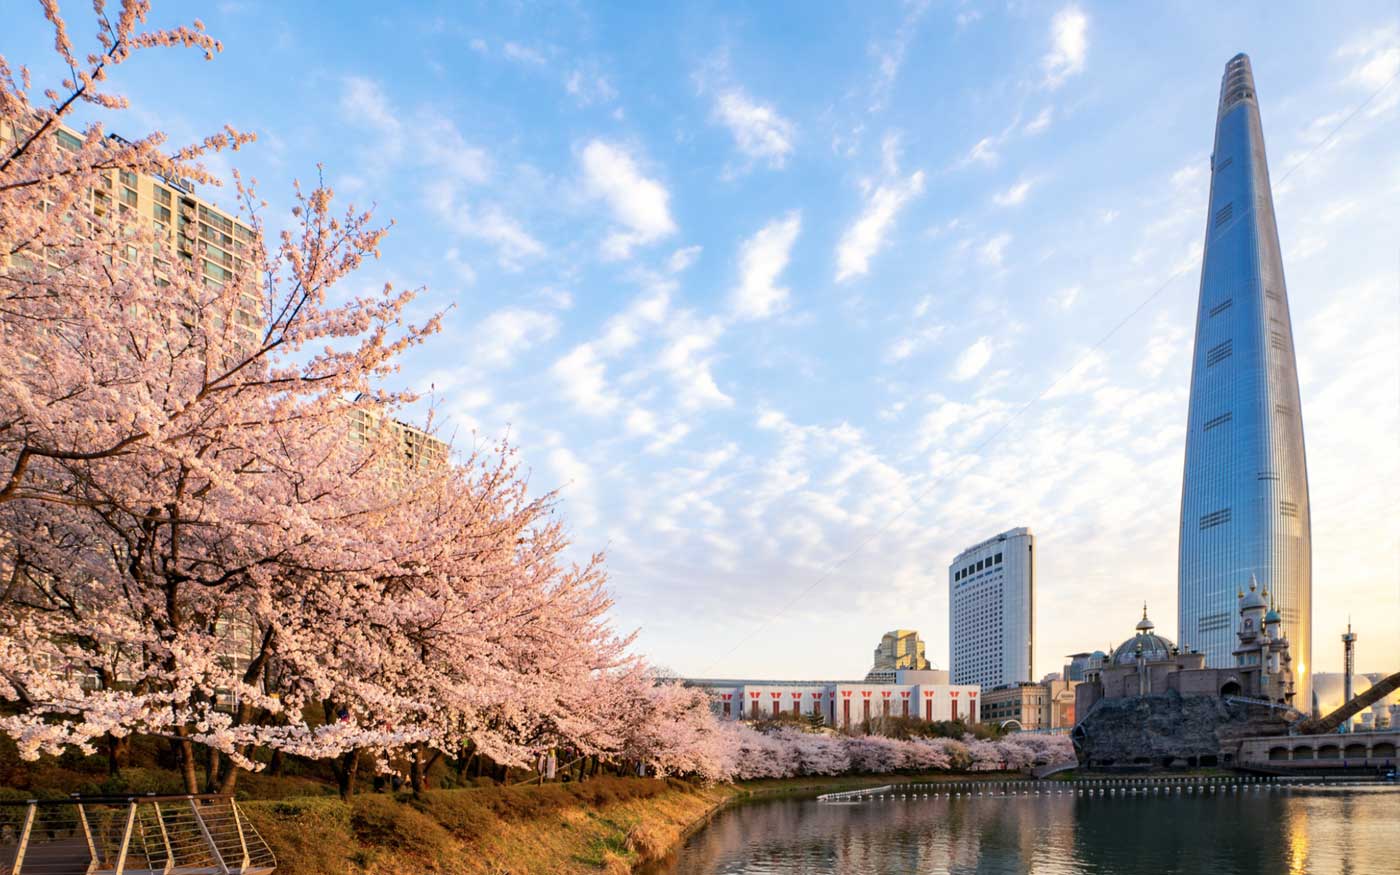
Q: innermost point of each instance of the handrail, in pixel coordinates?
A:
(115, 799)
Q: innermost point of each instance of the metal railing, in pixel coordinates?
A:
(130, 835)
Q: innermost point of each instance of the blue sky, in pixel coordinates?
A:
(794, 302)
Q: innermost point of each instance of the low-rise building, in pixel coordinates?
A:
(924, 695)
(1025, 703)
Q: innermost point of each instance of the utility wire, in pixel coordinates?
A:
(918, 498)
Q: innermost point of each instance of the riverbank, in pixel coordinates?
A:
(609, 825)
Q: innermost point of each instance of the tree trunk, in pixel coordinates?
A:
(184, 748)
(346, 767)
(422, 762)
(211, 771)
(229, 780)
(275, 767)
(417, 772)
(118, 753)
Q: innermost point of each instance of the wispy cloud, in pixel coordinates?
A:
(1014, 195)
(865, 237)
(972, 360)
(761, 261)
(889, 56)
(503, 335)
(640, 204)
(523, 54)
(759, 131)
(1069, 46)
(1040, 123)
(588, 87)
(993, 251)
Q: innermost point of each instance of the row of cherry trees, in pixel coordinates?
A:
(186, 471)
(693, 742)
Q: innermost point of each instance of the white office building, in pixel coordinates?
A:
(991, 611)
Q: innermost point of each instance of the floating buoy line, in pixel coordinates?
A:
(1108, 787)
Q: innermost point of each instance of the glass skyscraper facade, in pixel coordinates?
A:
(1244, 496)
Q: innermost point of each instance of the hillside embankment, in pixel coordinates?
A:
(603, 825)
(609, 825)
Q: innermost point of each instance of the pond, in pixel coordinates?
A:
(1228, 830)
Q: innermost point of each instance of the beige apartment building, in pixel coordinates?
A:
(899, 650)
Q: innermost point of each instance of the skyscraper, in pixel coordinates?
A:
(1244, 496)
(991, 611)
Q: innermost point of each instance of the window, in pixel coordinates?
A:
(127, 177)
(1223, 164)
(1215, 518)
(162, 195)
(1223, 214)
(997, 559)
(1276, 340)
(1221, 307)
(726, 709)
(1288, 508)
(128, 197)
(979, 564)
(1218, 421)
(161, 214)
(1219, 353)
(68, 141)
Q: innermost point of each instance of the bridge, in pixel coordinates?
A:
(130, 835)
(1351, 750)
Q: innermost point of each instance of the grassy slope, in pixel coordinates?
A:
(607, 824)
(604, 825)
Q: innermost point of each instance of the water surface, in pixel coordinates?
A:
(1312, 829)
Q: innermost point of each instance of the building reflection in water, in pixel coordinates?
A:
(1314, 830)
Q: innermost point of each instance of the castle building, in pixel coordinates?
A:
(1148, 664)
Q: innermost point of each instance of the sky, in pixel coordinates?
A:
(793, 302)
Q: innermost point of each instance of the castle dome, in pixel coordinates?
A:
(1152, 646)
(1252, 599)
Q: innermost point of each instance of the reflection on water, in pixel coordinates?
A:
(1305, 829)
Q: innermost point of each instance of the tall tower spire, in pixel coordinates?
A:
(1244, 497)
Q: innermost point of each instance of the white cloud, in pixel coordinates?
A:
(1041, 122)
(1066, 298)
(864, 238)
(444, 149)
(973, 359)
(575, 480)
(589, 88)
(365, 101)
(1379, 52)
(506, 333)
(983, 152)
(758, 130)
(1069, 44)
(682, 259)
(905, 346)
(1014, 195)
(992, 252)
(761, 261)
(640, 204)
(513, 243)
(685, 359)
(523, 54)
(890, 57)
(582, 378)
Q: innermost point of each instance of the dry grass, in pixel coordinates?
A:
(606, 825)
